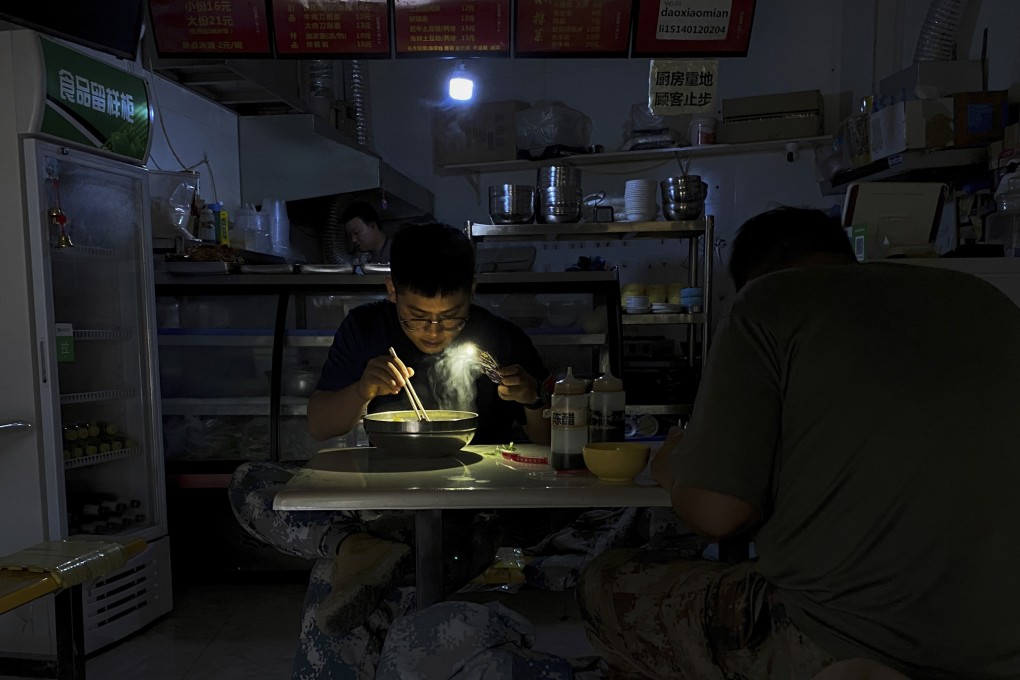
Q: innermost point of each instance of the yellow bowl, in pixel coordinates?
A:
(616, 461)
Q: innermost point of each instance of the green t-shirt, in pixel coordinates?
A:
(872, 413)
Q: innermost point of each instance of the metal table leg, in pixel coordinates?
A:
(428, 565)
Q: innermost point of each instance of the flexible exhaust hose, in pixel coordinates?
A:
(937, 40)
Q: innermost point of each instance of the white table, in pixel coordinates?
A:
(368, 479)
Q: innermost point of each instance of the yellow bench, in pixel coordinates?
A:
(58, 567)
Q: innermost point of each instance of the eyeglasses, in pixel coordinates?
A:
(450, 323)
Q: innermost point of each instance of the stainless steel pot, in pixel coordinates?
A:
(400, 433)
(511, 203)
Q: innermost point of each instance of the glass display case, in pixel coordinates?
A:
(240, 354)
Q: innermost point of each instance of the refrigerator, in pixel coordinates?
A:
(80, 431)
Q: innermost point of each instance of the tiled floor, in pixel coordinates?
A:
(221, 631)
(250, 632)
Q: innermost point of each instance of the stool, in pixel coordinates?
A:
(60, 568)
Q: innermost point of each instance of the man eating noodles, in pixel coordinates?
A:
(427, 317)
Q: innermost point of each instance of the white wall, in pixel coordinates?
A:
(795, 45)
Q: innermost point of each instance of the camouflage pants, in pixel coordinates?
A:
(651, 614)
(317, 535)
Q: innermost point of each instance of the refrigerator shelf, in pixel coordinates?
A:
(101, 458)
(87, 251)
(101, 395)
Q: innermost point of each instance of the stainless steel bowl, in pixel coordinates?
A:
(511, 203)
(400, 433)
(690, 210)
(683, 192)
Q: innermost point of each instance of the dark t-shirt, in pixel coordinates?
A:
(870, 412)
(370, 330)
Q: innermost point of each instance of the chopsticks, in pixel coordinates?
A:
(412, 396)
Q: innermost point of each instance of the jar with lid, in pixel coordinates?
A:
(606, 409)
(1003, 226)
(569, 422)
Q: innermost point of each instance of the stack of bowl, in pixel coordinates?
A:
(511, 203)
(683, 198)
(559, 194)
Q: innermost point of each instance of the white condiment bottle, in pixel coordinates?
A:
(607, 409)
(569, 423)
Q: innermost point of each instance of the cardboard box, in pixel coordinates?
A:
(981, 117)
(932, 79)
(480, 133)
(916, 124)
(893, 219)
(774, 116)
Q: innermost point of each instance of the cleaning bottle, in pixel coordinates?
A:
(569, 422)
(606, 409)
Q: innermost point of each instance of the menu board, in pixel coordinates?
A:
(207, 27)
(340, 29)
(452, 27)
(577, 27)
(693, 27)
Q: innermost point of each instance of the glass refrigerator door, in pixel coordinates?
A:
(93, 283)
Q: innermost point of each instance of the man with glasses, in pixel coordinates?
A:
(427, 311)
(362, 557)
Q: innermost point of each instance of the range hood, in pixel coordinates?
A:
(296, 156)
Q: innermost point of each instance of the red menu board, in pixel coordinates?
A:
(452, 27)
(693, 27)
(554, 28)
(207, 27)
(347, 29)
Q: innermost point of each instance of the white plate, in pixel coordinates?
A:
(666, 308)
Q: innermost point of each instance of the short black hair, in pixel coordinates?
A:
(779, 238)
(359, 209)
(432, 259)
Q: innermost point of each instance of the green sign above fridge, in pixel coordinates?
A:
(95, 104)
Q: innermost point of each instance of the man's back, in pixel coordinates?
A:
(892, 395)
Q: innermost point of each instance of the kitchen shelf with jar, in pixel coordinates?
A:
(695, 327)
(644, 156)
(230, 343)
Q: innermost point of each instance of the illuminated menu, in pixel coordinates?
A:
(596, 27)
(693, 27)
(454, 27)
(332, 28)
(195, 27)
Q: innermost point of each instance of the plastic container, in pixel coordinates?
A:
(569, 423)
(1003, 226)
(206, 225)
(702, 130)
(275, 210)
(607, 409)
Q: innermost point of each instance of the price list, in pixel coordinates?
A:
(594, 27)
(454, 27)
(196, 27)
(317, 27)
